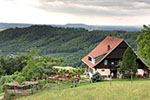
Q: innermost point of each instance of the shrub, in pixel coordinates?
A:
(42, 83)
(3, 80)
(96, 77)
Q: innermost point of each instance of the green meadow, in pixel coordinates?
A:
(119, 90)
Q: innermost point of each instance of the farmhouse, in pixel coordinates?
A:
(107, 56)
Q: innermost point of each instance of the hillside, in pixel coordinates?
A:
(70, 44)
(120, 90)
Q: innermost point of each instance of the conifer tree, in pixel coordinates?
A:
(128, 65)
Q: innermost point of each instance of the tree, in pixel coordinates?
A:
(10, 65)
(128, 65)
(32, 64)
(38, 67)
(144, 44)
(2, 70)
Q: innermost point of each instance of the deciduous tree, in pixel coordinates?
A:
(144, 44)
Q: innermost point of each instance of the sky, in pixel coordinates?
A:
(91, 12)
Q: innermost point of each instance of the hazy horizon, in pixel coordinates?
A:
(72, 23)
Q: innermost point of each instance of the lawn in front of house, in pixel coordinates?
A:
(119, 90)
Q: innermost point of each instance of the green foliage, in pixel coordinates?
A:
(17, 77)
(72, 71)
(3, 80)
(69, 43)
(20, 79)
(128, 64)
(10, 65)
(78, 68)
(2, 70)
(39, 67)
(34, 67)
(42, 83)
(144, 44)
(96, 77)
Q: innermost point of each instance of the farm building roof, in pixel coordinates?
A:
(102, 49)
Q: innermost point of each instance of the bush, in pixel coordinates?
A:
(96, 77)
(1, 89)
(42, 84)
(20, 79)
(17, 77)
(3, 80)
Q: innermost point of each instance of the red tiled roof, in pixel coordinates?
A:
(102, 49)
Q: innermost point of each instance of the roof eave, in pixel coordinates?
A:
(86, 63)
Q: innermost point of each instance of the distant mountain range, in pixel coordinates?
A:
(89, 27)
(102, 27)
(13, 25)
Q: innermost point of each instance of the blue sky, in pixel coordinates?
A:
(92, 12)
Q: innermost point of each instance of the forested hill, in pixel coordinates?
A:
(68, 43)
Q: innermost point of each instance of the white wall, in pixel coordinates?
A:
(106, 72)
(140, 72)
(93, 60)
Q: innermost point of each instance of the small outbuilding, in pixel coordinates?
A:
(16, 89)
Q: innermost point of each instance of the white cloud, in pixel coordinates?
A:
(98, 12)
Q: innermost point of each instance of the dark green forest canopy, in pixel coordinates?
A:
(70, 44)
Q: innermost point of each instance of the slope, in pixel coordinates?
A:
(120, 90)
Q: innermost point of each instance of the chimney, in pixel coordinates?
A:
(108, 48)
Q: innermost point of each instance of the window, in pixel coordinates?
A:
(89, 58)
(103, 70)
(112, 63)
(105, 62)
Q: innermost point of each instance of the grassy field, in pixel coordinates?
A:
(119, 90)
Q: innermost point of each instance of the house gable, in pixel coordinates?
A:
(118, 52)
(115, 56)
